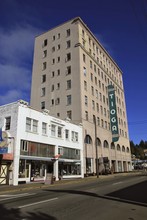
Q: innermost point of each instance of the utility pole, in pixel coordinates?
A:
(96, 150)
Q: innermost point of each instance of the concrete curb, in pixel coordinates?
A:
(30, 186)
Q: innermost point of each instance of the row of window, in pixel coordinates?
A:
(54, 37)
(56, 130)
(67, 58)
(30, 148)
(100, 83)
(88, 140)
(68, 86)
(67, 72)
(95, 50)
(68, 45)
(106, 125)
(95, 47)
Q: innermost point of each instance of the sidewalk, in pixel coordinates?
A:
(32, 185)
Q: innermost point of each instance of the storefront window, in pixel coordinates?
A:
(36, 149)
(69, 153)
(67, 168)
(23, 169)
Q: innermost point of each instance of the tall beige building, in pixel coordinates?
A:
(71, 74)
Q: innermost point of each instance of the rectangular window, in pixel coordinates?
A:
(93, 105)
(84, 58)
(68, 70)
(44, 53)
(53, 130)
(43, 105)
(69, 114)
(68, 32)
(58, 59)
(86, 100)
(44, 43)
(95, 81)
(44, 66)
(58, 86)
(83, 41)
(74, 136)
(53, 74)
(97, 107)
(44, 128)
(83, 33)
(86, 115)
(7, 123)
(35, 126)
(43, 78)
(53, 37)
(90, 64)
(85, 85)
(28, 124)
(53, 61)
(101, 109)
(58, 47)
(91, 77)
(100, 96)
(68, 44)
(67, 134)
(94, 68)
(43, 92)
(96, 93)
(59, 132)
(68, 57)
(106, 124)
(68, 84)
(102, 123)
(52, 101)
(92, 90)
(58, 36)
(31, 125)
(58, 72)
(57, 102)
(24, 145)
(84, 71)
(60, 150)
(98, 121)
(68, 99)
(53, 49)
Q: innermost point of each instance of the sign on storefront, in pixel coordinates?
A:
(113, 113)
(5, 143)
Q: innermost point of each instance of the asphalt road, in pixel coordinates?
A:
(119, 198)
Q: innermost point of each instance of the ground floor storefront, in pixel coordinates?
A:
(106, 165)
(37, 170)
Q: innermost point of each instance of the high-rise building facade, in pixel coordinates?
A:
(71, 75)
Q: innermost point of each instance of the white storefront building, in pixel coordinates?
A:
(38, 144)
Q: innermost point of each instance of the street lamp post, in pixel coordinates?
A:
(96, 150)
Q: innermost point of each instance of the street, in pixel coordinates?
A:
(121, 197)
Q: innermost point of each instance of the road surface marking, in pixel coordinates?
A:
(16, 196)
(36, 203)
(116, 183)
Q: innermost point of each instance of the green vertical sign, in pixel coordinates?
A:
(113, 113)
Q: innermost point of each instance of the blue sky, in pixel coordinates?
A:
(120, 25)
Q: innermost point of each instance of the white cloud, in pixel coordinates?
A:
(10, 96)
(17, 44)
(16, 49)
(14, 77)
